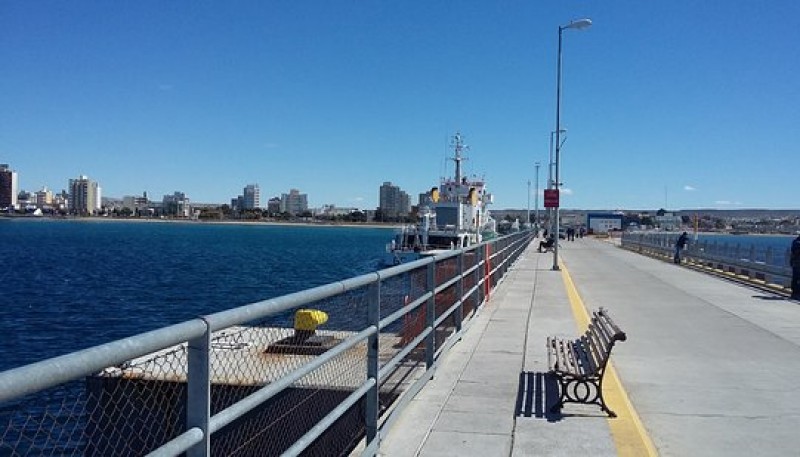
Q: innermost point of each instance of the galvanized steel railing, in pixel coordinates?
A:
(758, 264)
(235, 382)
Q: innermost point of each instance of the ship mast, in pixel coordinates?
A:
(458, 146)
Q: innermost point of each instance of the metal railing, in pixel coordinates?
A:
(750, 262)
(243, 382)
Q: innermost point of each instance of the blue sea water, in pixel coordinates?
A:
(772, 250)
(68, 285)
(742, 246)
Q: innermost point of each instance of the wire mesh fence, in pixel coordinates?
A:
(752, 261)
(136, 405)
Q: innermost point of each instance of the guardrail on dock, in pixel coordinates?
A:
(244, 382)
(749, 262)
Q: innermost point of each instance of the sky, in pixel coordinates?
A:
(673, 104)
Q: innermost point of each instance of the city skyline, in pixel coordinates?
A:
(678, 105)
(249, 198)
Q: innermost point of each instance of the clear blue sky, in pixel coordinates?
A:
(682, 104)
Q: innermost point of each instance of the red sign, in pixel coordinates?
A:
(551, 198)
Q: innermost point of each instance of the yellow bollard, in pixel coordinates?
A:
(307, 320)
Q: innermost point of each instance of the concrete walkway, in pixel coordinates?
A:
(710, 367)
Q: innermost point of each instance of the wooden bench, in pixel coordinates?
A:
(546, 245)
(579, 364)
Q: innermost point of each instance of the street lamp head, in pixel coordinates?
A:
(579, 24)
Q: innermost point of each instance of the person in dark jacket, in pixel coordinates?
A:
(795, 261)
(680, 245)
(546, 244)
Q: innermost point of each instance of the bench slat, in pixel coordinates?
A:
(587, 355)
(599, 339)
(558, 360)
(610, 323)
(567, 362)
(587, 364)
(600, 346)
(592, 360)
(614, 330)
(604, 334)
(574, 358)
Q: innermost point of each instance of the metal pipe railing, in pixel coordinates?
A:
(48, 373)
(755, 263)
(195, 337)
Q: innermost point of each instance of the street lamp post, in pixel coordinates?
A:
(536, 200)
(579, 24)
(528, 220)
(551, 183)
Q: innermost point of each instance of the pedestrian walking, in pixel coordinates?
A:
(795, 261)
(680, 245)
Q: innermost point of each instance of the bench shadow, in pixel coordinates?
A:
(536, 394)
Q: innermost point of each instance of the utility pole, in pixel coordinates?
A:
(536, 197)
(528, 219)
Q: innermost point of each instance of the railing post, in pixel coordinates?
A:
(430, 314)
(198, 408)
(478, 267)
(459, 314)
(503, 257)
(487, 268)
(373, 363)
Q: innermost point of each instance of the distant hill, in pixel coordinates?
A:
(753, 213)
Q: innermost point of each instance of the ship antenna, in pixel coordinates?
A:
(458, 146)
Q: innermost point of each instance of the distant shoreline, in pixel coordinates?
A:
(197, 221)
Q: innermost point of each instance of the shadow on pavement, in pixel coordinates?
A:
(537, 392)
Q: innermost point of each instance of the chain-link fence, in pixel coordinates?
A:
(252, 380)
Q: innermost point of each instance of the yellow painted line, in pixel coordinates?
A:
(630, 436)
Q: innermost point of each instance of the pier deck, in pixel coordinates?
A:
(710, 367)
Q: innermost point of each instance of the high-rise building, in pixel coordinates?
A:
(237, 204)
(393, 202)
(44, 197)
(84, 196)
(135, 203)
(294, 202)
(274, 205)
(424, 199)
(8, 187)
(176, 205)
(252, 197)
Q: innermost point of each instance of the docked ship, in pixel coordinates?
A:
(455, 216)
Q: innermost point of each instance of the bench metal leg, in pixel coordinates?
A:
(576, 390)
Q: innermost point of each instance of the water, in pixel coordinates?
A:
(68, 285)
(742, 246)
(739, 246)
(777, 242)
